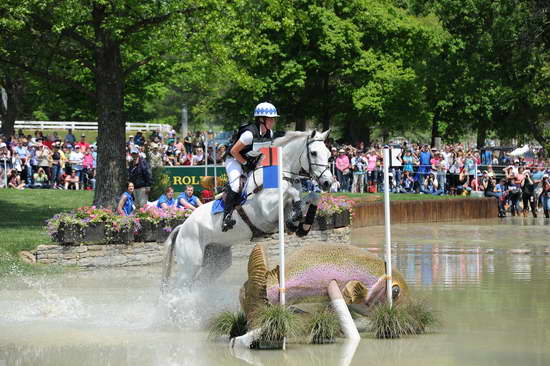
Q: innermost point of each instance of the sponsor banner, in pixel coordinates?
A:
(197, 176)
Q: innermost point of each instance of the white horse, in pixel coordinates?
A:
(203, 251)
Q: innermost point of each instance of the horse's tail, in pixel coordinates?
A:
(168, 258)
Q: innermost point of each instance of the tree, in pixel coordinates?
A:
(96, 48)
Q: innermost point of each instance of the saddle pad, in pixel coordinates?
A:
(218, 205)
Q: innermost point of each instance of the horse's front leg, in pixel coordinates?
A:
(189, 260)
(296, 213)
(311, 202)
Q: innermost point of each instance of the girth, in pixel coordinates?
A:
(256, 233)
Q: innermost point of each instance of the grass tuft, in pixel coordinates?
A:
(323, 327)
(423, 314)
(276, 322)
(228, 323)
(391, 322)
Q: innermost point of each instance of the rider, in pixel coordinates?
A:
(238, 162)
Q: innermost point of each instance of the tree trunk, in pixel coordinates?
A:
(481, 135)
(435, 128)
(301, 123)
(325, 118)
(9, 111)
(111, 174)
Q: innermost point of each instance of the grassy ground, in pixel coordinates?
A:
(23, 216)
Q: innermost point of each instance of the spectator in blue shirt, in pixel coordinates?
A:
(187, 199)
(167, 199)
(126, 203)
(69, 137)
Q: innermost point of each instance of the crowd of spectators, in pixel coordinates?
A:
(450, 170)
(69, 163)
(40, 161)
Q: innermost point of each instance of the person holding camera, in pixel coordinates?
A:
(490, 189)
(528, 194)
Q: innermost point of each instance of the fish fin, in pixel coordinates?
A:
(273, 273)
(255, 288)
(354, 292)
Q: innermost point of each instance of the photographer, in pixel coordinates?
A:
(358, 166)
(487, 184)
(528, 194)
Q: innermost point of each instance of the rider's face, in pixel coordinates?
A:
(269, 122)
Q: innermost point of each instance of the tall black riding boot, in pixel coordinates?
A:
(547, 214)
(231, 200)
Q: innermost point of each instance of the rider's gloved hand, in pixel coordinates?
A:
(251, 163)
(248, 166)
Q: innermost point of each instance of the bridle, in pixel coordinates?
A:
(309, 173)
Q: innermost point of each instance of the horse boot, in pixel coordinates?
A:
(297, 214)
(231, 200)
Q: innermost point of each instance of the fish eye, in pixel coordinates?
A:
(395, 290)
(314, 153)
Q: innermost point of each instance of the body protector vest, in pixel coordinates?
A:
(255, 129)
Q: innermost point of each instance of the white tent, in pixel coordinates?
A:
(520, 151)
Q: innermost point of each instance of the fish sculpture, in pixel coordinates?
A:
(360, 275)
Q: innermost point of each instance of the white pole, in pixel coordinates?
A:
(205, 155)
(476, 177)
(387, 223)
(282, 288)
(215, 168)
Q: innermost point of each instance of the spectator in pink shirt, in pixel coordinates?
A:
(343, 170)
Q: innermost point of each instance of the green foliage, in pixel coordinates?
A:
(423, 315)
(391, 322)
(160, 183)
(276, 322)
(323, 326)
(228, 323)
(402, 319)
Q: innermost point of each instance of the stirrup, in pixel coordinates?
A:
(228, 223)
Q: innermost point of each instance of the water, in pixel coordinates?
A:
(488, 279)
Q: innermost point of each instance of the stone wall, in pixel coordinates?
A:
(137, 254)
(100, 255)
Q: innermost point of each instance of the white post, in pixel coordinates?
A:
(282, 289)
(215, 168)
(476, 177)
(387, 223)
(205, 155)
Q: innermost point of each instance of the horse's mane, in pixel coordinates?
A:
(289, 137)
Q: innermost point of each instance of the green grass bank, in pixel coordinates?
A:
(22, 226)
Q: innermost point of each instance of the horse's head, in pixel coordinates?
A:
(315, 160)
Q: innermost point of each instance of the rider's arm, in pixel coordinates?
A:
(236, 152)
(245, 139)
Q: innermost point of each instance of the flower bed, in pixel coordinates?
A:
(333, 212)
(91, 225)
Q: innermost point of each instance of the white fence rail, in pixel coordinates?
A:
(63, 125)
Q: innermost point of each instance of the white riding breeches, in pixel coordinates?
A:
(234, 171)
